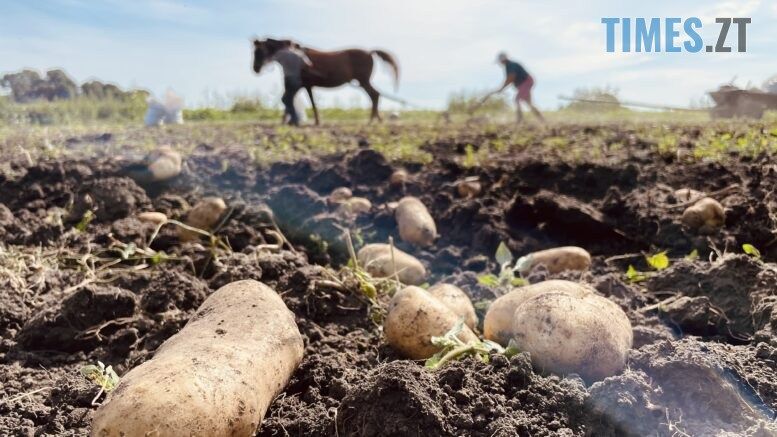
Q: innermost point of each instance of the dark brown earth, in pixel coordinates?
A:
(705, 354)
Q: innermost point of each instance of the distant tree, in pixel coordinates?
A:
(27, 85)
(101, 91)
(59, 86)
(22, 84)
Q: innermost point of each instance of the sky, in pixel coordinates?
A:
(202, 49)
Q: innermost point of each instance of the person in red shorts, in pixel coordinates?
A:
(516, 75)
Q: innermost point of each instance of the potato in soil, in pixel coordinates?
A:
(204, 215)
(416, 225)
(705, 216)
(398, 178)
(457, 300)
(376, 259)
(164, 164)
(557, 259)
(414, 317)
(568, 334)
(355, 206)
(216, 377)
(340, 195)
(498, 322)
(469, 188)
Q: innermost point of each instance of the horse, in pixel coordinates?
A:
(331, 69)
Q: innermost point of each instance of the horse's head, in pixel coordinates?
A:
(260, 55)
(265, 49)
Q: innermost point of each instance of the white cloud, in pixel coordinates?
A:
(734, 8)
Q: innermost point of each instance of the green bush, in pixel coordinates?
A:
(245, 104)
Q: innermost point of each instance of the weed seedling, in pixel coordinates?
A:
(657, 262)
(453, 348)
(751, 250)
(693, 256)
(85, 220)
(102, 376)
(353, 276)
(507, 273)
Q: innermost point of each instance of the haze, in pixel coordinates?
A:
(202, 49)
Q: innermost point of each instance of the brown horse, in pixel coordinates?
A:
(331, 69)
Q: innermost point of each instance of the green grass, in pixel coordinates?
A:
(91, 111)
(76, 111)
(74, 126)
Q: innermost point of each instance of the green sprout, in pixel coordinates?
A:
(366, 285)
(102, 376)
(353, 276)
(657, 262)
(470, 159)
(634, 275)
(85, 220)
(506, 275)
(693, 256)
(451, 348)
(751, 250)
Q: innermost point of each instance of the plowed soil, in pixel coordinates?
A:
(704, 358)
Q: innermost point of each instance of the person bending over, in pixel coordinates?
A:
(516, 75)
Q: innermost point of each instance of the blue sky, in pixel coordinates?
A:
(202, 50)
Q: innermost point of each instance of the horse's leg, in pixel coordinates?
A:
(309, 89)
(374, 96)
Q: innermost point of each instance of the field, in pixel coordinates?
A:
(80, 283)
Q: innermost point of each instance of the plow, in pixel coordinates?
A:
(729, 102)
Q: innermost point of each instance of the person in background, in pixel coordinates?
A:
(293, 61)
(516, 75)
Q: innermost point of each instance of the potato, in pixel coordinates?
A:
(414, 317)
(571, 334)
(164, 163)
(498, 323)
(355, 206)
(416, 225)
(705, 216)
(457, 301)
(152, 217)
(687, 195)
(204, 215)
(340, 195)
(376, 260)
(216, 377)
(469, 188)
(398, 178)
(556, 260)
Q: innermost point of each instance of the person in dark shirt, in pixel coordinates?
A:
(516, 75)
(293, 61)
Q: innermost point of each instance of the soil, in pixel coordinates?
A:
(705, 353)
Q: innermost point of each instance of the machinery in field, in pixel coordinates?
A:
(731, 101)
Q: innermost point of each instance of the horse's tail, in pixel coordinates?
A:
(386, 57)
